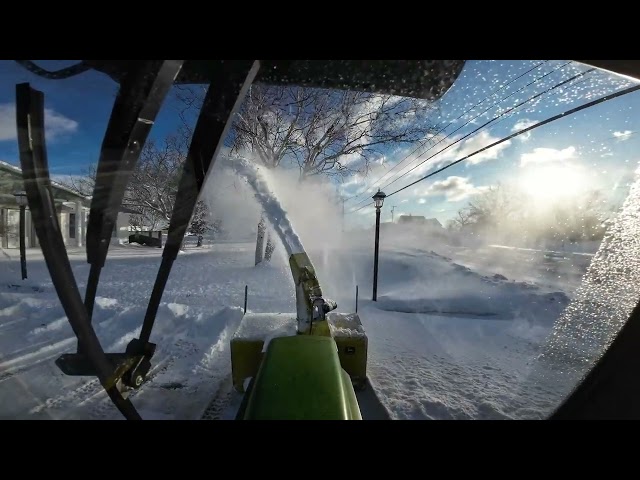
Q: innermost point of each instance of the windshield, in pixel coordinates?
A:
(506, 253)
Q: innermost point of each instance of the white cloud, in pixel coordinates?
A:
(55, 123)
(547, 155)
(359, 184)
(442, 151)
(478, 141)
(623, 135)
(521, 125)
(454, 188)
(422, 200)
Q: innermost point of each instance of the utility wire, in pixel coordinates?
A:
(451, 123)
(557, 92)
(520, 132)
(512, 110)
(524, 130)
(487, 123)
(491, 121)
(536, 80)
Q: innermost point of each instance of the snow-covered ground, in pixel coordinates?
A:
(458, 332)
(446, 341)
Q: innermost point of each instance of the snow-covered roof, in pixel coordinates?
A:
(12, 168)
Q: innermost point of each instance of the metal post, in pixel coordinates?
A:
(356, 298)
(246, 294)
(23, 257)
(375, 257)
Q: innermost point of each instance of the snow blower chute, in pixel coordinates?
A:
(302, 365)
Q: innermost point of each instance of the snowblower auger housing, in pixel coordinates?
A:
(250, 341)
(308, 363)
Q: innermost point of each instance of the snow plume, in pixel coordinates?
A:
(231, 201)
(273, 209)
(312, 206)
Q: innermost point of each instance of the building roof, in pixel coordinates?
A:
(18, 171)
(419, 219)
(411, 218)
(125, 209)
(6, 194)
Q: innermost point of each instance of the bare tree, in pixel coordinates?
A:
(320, 131)
(200, 221)
(268, 250)
(503, 211)
(461, 220)
(493, 209)
(153, 184)
(82, 184)
(582, 218)
(260, 241)
(317, 131)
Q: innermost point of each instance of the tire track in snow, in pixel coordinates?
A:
(92, 389)
(197, 377)
(103, 409)
(221, 401)
(219, 359)
(28, 361)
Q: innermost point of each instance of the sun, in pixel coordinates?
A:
(550, 184)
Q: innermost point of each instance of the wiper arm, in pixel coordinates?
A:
(141, 95)
(35, 170)
(224, 95)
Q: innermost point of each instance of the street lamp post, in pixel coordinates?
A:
(21, 200)
(378, 200)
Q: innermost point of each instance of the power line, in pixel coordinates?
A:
(536, 80)
(524, 130)
(467, 122)
(358, 209)
(487, 123)
(491, 121)
(568, 112)
(546, 98)
(452, 122)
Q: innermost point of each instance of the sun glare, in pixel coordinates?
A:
(550, 184)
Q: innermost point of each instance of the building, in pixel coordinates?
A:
(72, 208)
(419, 220)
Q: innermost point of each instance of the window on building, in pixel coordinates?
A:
(72, 225)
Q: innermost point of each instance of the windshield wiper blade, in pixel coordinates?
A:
(141, 95)
(34, 163)
(224, 95)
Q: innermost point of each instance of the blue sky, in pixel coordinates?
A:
(593, 149)
(79, 109)
(596, 148)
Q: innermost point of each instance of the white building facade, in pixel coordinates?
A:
(72, 208)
